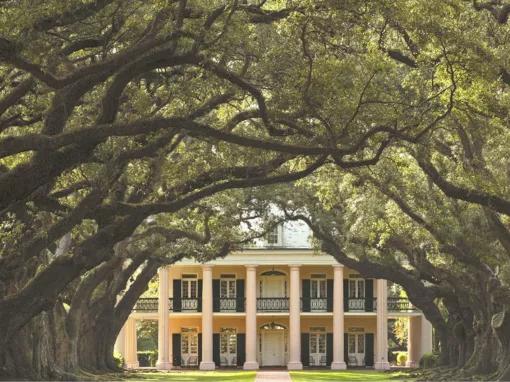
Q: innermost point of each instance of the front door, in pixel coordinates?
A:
(189, 347)
(356, 349)
(228, 347)
(273, 348)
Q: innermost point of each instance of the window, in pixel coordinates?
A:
(228, 342)
(189, 286)
(189, 346)
(317, 346)
(228, 286)
(318, 286)
(272, 236)
(352, 343)
(356, 288)
(361, 343)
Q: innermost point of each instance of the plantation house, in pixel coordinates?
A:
(277, 303)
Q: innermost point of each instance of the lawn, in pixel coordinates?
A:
(349, 375)
(191, 376)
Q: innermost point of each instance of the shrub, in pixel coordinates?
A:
(429, 360)
(119, 360)
(401, 358)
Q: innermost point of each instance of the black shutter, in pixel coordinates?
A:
(369, 349)
(199, 295)
(240, 296)
(305, 349)
(216, 349)
(305, 293)
(346, 295)
(241, 349)
(329, 349)
(199, 348)
(177, 296)
(176, 349)
(369, 295)
(216, 295)
(346, 349)
(329, 292)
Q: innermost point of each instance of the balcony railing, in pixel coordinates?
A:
(275, 304)
(318, 305)
(272, 304)
(228, 304)
(189, 304)
(361, 305)
(146, 305)
(399, 304)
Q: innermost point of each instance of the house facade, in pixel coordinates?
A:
(278, 303)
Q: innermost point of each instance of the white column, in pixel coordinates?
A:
(120, 343)
(426, 337)
(164, 362)
(251, 318)
(338, 318)
(413, 341)
(131, 356)
(207, 362)
(381, 361)
(294, 320)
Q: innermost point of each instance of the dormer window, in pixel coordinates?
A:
(272, 236)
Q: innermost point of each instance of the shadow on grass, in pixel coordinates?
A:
(192, 376)
(349, 375)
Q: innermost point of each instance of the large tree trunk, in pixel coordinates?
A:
(501, 326)
(100, 334)
(483, 358)
(40, 350)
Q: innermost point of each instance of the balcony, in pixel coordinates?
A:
(316, 305)
(399, 304)
(146, 305)
(277, 304)
(360, 305)
(189, 305)
(272, 304)
(234, 304)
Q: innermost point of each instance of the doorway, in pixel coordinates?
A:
(356, 349)
(272, 345)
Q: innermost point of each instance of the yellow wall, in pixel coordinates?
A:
(176, 323)
(369, 324)
(240, 272)
(325, 322)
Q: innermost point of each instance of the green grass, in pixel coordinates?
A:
(349, 375)
(249, 376)
(191, 376)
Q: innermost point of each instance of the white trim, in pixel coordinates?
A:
(268, 257)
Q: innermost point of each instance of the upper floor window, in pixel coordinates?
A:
(228, 286)
(272, 236)
(189, 286)
(356, 288)
(318, 286)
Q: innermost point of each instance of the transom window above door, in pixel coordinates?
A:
(189, 286)
(228, 286)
